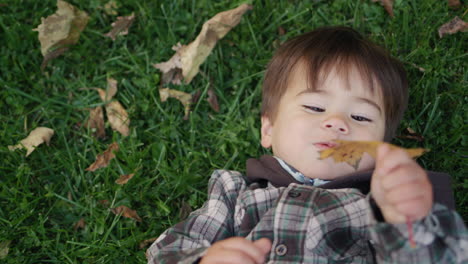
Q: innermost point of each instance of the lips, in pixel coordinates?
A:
(325, 145)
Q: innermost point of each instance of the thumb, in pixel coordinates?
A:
(264, 244)
(382, 152)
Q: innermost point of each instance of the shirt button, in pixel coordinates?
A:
(281, 250)
(294, 194)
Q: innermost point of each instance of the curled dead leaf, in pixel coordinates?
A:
(118, 118)
(80, 224)
(146, 242)
(213, 100)
(453, 26)
(189, 58)
(61, 29)
(126, 212)
(351, 151)
(123, 179)
(102, 160)
(183, 97)
(96, 122)
(121, 26)
(34, 139)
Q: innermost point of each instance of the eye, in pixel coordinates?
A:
(314, 108)
(361, 118)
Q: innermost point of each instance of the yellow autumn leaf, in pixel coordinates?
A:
(61, 29)
(351, 151)
(183, 97)
(34, 139)
(188, 58)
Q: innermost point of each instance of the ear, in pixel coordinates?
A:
(267, 129)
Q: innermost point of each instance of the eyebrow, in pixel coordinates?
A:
(361, 99)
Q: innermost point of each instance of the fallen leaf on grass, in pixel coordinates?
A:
(80, 224)
(4, 248)
(104, 203)
(351, 151)
(213, 100)
(34, 139)
(184, 98)
(96, 122)
(60, 30)
(123, 179)
(411, 134)
(118, 118)
(453, 26)
(121, 26)
(388, 5)
(126, 212)
(111, 8)
(102, 160)
(146, 242)
(454, 3)
(188, 58)
(110, 92)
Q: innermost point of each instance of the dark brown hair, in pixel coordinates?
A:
(338, 48)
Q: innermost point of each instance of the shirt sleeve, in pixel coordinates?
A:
(440, 237)
(187, 241)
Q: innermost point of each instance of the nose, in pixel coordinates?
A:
(336, 124)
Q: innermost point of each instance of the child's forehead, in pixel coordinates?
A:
(352, 76)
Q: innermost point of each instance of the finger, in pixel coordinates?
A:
(390, 158)
(227, 256)
(264, 244)
(405, 192)
(414, 209)
(246, 246)
(404, 174)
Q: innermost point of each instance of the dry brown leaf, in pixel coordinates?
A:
(34, 139)
(123, 179)
(102, 160)
(351, 151)
(121, 26)
(213, 100)
(189, 58)
(80, 224)
(61, 29)
(110, 92)
(111, 8)
(184, 98)
(4, 248)
(454, 3)
(146, 242)
(118, 118)
(96, 122)
(104, 203)
(126, 212)
(411, 134)
(453, 26)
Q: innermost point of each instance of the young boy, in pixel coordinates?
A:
(294, 208)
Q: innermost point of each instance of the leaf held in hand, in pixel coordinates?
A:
(61, 29)
(189, 58)
(121, 26)
(126, 212)
(453, 26)
(183, 97)
(34, 139)
(102, 160)
(351, 151)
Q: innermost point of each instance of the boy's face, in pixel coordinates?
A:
(307, 121)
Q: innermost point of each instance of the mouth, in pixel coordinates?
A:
(325, 145)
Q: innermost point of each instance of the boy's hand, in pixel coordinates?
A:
(400, 186)
(237, 250)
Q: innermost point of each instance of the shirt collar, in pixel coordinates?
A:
(298, 175)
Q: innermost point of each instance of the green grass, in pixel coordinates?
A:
(43, 195)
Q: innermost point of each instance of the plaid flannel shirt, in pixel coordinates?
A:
(307, 224)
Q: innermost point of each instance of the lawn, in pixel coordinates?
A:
(44, 195)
